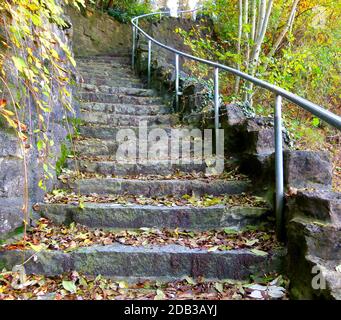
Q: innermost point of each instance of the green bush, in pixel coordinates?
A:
(126, 10)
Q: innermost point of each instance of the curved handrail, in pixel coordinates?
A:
(280, 93)
(315, 109)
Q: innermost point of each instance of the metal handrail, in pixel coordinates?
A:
(329, 117)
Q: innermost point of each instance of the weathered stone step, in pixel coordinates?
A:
(112, 81)
(127, 109)
(100, 64)
(161, 167)
(81, 66)
(150, 188)
(171, 261)
(110, 132)
(127, 120)
(109, 215)
(108, 72)
(119, 98)
(114, 74)
(118, 90)
(108, 148)
(123, 59)
(113, 77)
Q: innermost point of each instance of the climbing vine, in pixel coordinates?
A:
(34, 76)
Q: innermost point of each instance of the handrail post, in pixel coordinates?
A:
(216, 98)
(177, 76)
(133, 50)
(149, 61)
(279, 204)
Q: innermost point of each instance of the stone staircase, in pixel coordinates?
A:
(114, 98)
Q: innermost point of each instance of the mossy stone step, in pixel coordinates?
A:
(116, 120)
(118, 90)
(132, 216)
(154, 167)
(106, 149)
(119, 98)
(169, 261)
(114, 74)
(110, 132)
(127, 109)
(112, 81)
(122, 59)
(150, 188)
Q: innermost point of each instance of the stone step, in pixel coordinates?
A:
(105, 67)
(110, 132)
(108, 148)
(119, 98)
(112, 81)
(156, 167)
(132, 216)
(111, 73)
(150, 188)
(118, 90)
(103, 64)
(127, 109)
(169, 261)
(127, 120)
(114, 74)
(122, 59)
(113, 78)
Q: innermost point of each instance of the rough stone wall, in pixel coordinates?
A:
(314, 244)
(11, 160)
(11, 182)
(96, 33)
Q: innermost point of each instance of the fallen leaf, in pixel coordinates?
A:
(259, 252)
(69, 286)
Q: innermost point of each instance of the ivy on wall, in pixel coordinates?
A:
(34, 75)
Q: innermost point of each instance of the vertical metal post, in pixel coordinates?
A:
(149, 61)
(279, 204)
(177, 76)
(216, 98)
(134, 48)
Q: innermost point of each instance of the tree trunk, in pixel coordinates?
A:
(246, 35)
(254, 16)
(261, 17)
(285, 29)
(110, 4)
(240, 29)
(257, 48)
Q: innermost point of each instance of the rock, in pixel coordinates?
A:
(11, 215)
(313, 254)
(302, 169)
(308, 169)
(9, 145)
(320, 205)
(235, 115)
(11, 180)
(47, 262)
(248, 136)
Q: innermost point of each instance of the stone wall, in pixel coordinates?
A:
(96, 33)
(11, 160)
(11, 181)
(314, 244)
